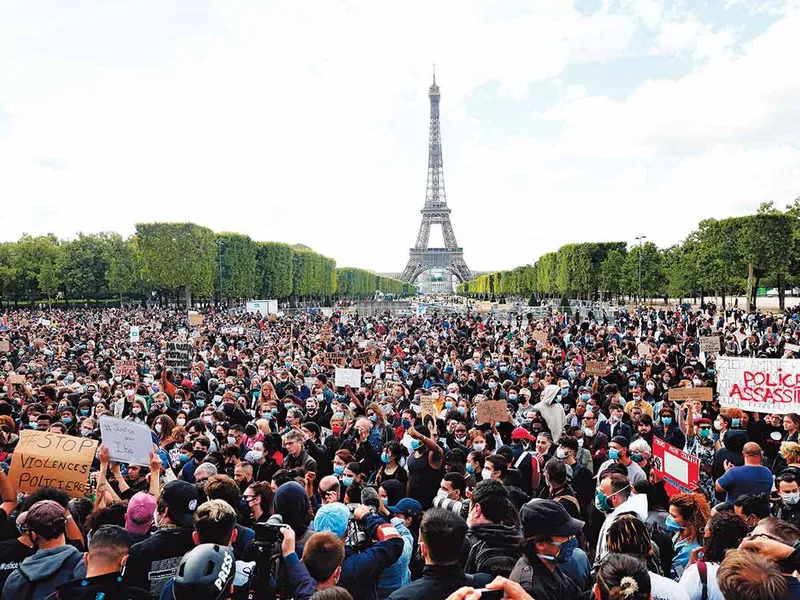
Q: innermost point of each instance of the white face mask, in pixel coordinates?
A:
(479, 447)
(158, 427)
(129, 392)
(486, 473)
(650, 387)
(588, 431)
(256, 455)
(441, 494)
(790, 498)
(580, 442)
(181, 422)
(561, 454)
(231, 440)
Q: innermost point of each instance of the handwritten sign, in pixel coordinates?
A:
(770, 385)
(16, 379)
(195, 318)
(596, 368)
(126, 441)
(45, 459)
(134, 334)
(710, 343)
(491, 411)
(4, 345)
(681, 394)
(178, 356)
(540, 337)
(644, 350)
(363, 359)
(335, 358)
(125, 368)
(351, 377)
(680, 470)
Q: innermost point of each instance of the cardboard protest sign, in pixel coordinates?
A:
(540, 337)
(178, 356)
(770, 385)
(134, 334)
(681, 394)
(45, 459)
(429, 413)
(15, 379)
(363, 359)
(644, 350)
(596, 368)
(195, 318)
(793, 347)
(710, 343)
(491, 411)
(335, 359)
(680, 470)
(125, 368)
(126, 441)
(351, 377)
(4, 345)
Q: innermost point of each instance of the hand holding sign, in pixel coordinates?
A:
(491, 411)
(126, 441)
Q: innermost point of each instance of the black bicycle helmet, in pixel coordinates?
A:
(206, 573)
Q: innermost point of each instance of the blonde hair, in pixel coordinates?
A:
(791, 452)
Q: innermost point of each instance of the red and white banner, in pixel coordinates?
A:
(767, 385)
(680, 470)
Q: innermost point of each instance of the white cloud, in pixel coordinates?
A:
(302, 125)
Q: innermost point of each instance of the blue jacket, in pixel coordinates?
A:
(397, 575)
(41, 573)
(361, 570)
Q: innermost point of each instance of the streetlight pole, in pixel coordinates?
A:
(639, 239)
(219, 260)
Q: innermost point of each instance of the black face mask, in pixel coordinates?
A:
(199, 455)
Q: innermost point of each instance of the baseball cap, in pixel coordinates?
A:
(332, 517)
(520, 433)
(181, 498)
(549, 518)
(407, 506)
(45, 513)
(139, 515)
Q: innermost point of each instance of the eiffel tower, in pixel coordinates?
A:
(451, 257)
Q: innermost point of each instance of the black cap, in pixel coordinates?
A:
(181, 498)
(621, 440)
(548, 517)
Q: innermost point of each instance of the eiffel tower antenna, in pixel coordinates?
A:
(451, 257)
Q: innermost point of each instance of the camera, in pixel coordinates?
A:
(269, 533)
(267, 543)
(455, 506)
(356, 535)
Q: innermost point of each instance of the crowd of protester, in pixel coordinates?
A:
(267, 480)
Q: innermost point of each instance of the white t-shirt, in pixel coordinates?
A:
(663, 588)
(690, 581)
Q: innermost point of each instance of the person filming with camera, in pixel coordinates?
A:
(361, 567)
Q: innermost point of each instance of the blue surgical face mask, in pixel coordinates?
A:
(565, 391)
(470, 469)
(566, 550)
(200, 403)
(585, 397)
(347, 481)
(666, 421)
(273, 411)
(66, 420)
(338, 469)
(449, 404)
(613, 454)
(672, 525)
(373, 418)
(385, 458)
(416, 444)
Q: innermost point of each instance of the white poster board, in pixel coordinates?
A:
(766, 385)
(134, 335)
(351, 377)
(126, 441)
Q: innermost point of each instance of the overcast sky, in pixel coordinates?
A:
(307, 121)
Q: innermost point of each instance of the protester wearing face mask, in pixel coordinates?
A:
(200, 446)
(391, 456)
(688, 515)
(551, 410)
(619, 452)
(614, 497)
(549, 540)
(788, 507)
(700, 443)
(668, 429)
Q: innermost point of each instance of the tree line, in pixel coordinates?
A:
(177, 262)
(722, 257)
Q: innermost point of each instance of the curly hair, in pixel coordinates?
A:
(727, 531)
(694, 511)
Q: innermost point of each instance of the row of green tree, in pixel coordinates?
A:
(721, 257)
(173, 260)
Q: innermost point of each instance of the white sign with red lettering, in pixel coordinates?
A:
(767, 385)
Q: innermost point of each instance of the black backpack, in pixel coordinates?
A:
(495, 559)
